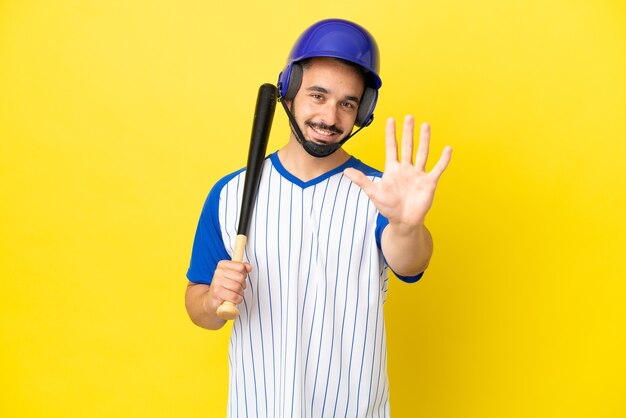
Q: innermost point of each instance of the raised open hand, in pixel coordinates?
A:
(405, 193)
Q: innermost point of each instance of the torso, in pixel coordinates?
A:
(310, 338)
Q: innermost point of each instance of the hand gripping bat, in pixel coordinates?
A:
(261, 126)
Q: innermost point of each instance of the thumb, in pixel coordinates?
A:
(360, 179)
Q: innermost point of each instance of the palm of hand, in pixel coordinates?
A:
(406, 191)
(404, 194)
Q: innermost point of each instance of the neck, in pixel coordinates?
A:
(306, 167)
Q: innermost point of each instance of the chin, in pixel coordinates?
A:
(320, 142)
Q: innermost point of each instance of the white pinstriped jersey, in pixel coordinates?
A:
(310, 338)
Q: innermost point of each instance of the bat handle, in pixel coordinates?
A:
(228, 310)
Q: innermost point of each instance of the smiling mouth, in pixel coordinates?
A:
(324, 132)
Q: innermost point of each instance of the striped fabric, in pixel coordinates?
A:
(310, 339)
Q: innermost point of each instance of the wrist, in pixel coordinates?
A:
(210, 303)
(401, 229)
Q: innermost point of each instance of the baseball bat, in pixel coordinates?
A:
(261, 126)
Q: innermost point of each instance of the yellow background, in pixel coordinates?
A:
(116, 117)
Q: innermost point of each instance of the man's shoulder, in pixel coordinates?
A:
(364, 168)
(219, 185)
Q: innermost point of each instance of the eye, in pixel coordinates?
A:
(348, 105)
(317, 96)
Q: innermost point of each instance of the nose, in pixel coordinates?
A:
(329, 113)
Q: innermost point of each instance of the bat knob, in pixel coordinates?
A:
(227, 311)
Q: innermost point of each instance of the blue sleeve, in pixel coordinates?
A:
(208, 246)
(381, 223)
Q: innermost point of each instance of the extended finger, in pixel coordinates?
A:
(442, 164)
(423, 148)
(390, 142)
(407, 139)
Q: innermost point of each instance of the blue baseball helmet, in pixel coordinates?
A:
(341, 39)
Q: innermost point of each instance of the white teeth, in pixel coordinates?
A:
(323, 132)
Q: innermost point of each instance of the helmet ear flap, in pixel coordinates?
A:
(294, 81)
(365, 115)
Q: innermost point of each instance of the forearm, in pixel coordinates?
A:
(202, 307)
(407, 249)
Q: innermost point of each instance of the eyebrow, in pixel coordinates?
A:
(326, 91)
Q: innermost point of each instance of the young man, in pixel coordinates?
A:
(310, 337)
